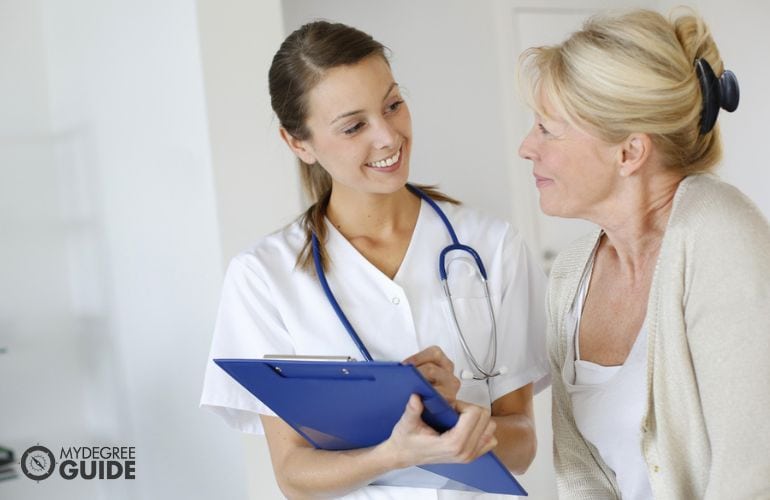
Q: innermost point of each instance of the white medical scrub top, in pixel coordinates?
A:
(269, 306)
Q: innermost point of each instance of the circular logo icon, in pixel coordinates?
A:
(37, 463)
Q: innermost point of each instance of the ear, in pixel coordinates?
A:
(302, 149)
(635, 152)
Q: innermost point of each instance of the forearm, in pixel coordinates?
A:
(517, 442)
(304, 472)
(312, 473)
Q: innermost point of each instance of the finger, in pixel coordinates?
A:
(470, 426)
(432, 354)
(412, 413)
(411, 420)
(434, 373)
(478, 431)
(488, 441)
(442, 380)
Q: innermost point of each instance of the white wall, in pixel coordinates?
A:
(256, 177)
(127, 121)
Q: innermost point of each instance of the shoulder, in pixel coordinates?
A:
(275, 253)
(472, 224)
(708, 210)
(572, 259)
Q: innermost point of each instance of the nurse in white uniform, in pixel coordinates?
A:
(379, 241)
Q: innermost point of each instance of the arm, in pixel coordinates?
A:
(515, 419)
(727, 321)
(305, 472)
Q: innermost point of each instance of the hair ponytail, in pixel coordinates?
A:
(317, 184)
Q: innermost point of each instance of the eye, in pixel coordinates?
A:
(394, 106)
(352, 130)
(542, 128)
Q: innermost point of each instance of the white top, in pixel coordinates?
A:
(269, 307)
(608, 403)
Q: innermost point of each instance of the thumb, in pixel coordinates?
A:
(413, 411)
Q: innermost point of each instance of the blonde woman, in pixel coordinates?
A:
(659, 322)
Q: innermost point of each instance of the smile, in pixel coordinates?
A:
(387, 162)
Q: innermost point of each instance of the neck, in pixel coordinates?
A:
(636, 222)
(372, 215)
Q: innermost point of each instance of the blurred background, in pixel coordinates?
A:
(138, 154)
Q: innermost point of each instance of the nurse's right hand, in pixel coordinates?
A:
(437, 369)
(413, 442)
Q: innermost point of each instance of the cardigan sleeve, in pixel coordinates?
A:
(580, 471)
(727, 316)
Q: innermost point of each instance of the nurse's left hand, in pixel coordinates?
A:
(437, 369)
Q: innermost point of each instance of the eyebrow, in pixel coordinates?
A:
(355, 112)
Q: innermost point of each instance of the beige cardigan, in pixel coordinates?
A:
(706, 432)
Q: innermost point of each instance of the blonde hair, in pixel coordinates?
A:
(631, 72)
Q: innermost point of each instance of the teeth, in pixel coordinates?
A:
(387, 161)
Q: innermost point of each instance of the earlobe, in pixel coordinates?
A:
(300, 148)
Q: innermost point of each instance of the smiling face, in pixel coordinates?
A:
(360, 128)
(575, 172)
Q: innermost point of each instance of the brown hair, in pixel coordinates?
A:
(297, 67)
(632, 72)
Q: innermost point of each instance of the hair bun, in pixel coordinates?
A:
(722, 92)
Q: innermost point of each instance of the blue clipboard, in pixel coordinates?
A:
(347, 405)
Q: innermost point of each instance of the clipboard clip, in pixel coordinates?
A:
(307, 357)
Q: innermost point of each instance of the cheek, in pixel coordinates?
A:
(404, 122)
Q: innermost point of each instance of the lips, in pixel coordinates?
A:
(541, 181)
(388, 164)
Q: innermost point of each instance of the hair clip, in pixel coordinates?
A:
(722, 92)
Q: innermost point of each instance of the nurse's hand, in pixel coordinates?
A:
(437, 369)
(413, 442)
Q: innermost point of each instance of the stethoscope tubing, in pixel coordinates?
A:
(333, 301)
(455, 245)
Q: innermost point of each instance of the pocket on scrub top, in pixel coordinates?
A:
(476, 326)
(471, 310)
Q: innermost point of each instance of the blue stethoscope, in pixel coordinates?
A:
(481, 372)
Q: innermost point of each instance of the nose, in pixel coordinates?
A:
(385, 136)
(526, 148)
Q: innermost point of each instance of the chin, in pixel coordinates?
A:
(547, 209)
